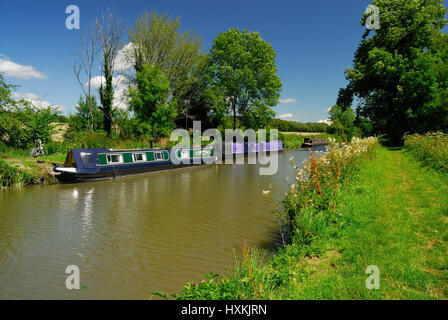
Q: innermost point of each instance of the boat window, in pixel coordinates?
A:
(113, 158)
(138, 157)
(87, 158)
(158, 155)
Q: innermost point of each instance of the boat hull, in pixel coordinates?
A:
(313, 145)
(95, 175)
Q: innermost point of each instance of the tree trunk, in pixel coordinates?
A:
(90, 109)
(234, 116)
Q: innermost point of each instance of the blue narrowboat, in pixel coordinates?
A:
(98, 164)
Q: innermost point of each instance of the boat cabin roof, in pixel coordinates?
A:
(88, 158)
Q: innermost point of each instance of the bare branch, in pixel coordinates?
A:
(83, 68)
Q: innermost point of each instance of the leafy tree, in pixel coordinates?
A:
(157, 40)
(336, 128)
(128, 126)
(399, 72)
(343, 122)
(149, 101)
(12, 132)
(258, 115)
(22, 125)
(38, 122)
(106, 93)
(89, 115)
(242, 66)
(364, 126)
(5, 93)
(20, 122)
(201, 102)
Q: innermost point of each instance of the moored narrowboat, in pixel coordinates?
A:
(253, 147)
(99, 164)
(314, 142)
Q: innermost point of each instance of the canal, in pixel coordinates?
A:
(136, 235)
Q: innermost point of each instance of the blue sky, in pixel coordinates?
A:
(314, 41)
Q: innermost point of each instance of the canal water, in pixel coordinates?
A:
(136, 235)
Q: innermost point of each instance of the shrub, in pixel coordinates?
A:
(19, 127)
(13, 177)
(12, 132)
(431, 148)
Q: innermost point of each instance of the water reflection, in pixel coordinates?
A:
(87, 212)
(136, 235)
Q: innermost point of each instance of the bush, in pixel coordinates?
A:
(20, 126)
(13, 177)
(431, 148)
(12, 132)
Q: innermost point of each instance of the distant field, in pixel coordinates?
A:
(303, 134)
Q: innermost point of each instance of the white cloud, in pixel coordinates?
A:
(26, 95)
(116, 81)
(95, 82)
(287, 100)
(123, 61)
(286, 116)
(328, 110)
(36, 100)
(120, 84)
(12, 69)
(327, 121)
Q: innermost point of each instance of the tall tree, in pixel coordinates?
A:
(242, 66)
(83, 69)
(343, 122)
(149, 100)
(396, 77)
(157, 40)
(109, 30)
(88, 111)
(201, 102)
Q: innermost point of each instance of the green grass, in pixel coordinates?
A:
(394, 216)
(393, 213)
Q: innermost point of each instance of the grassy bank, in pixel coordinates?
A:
(18, 168)
(11, 176)
(388, 211)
